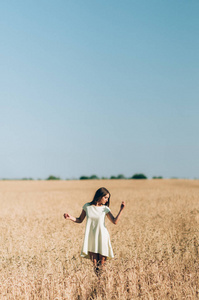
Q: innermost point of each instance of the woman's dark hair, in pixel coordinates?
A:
(101, 192)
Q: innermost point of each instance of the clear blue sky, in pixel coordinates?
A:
(99, 87)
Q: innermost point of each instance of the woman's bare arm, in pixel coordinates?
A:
(113, 219)
(76, 220)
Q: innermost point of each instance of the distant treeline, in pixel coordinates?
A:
(95, 177)
(120, 176)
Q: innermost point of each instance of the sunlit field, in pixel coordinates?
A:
(155, 243)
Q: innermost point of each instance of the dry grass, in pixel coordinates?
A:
(155, 243)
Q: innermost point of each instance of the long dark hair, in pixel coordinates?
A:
(101, 192)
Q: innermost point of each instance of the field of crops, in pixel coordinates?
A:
(155, 243)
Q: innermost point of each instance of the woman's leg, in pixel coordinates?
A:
(96, 262)
(94, 257)
(102, 260)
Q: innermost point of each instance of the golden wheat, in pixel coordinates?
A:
(155, 243)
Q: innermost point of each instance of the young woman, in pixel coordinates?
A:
(97, 245)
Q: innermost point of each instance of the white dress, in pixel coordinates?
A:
(96, 239)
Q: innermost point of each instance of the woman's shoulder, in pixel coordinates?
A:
(106, 209)
(86, 205)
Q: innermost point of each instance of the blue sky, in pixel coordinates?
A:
(99, 87)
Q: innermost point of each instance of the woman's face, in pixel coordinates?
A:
(104, 199)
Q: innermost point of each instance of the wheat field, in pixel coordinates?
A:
(155, 242)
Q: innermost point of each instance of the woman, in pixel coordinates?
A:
(97, 245)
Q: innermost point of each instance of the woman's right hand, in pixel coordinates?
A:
(67, 216)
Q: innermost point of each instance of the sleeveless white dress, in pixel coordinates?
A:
(96, 239)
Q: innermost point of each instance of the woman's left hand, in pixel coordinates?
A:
(122, 205)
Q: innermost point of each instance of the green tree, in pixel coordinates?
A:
(120, 176)
(51, 177)
(139, 176)
(93, 177)
(84, 177)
